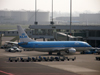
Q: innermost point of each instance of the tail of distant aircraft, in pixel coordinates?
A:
(22, 35)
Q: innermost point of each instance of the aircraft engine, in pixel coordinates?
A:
(71, 50)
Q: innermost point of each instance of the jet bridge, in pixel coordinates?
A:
(62, 36)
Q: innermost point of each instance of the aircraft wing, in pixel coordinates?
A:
(10, 42)
(57, 49)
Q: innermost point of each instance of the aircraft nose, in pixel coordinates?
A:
(87, 45)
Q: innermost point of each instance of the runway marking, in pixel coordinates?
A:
(6, 73)
(45, 74)
(73, 68)
(22, 67)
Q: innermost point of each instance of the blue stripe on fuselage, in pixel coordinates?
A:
(53, 44)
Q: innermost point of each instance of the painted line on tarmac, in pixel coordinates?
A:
(6, 73)
(46, 74)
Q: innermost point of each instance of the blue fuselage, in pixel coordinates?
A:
(39, 45)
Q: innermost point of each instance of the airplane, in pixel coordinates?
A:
(51, 46)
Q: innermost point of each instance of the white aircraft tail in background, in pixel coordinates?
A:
(22, 35)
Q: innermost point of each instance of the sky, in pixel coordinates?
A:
(45, 5)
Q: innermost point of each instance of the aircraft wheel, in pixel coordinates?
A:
(24, 50)
(83, 52)
(50, 53)
(27, 60)
(10, 60)
(15, 60)
(58, 53)
(68, 59)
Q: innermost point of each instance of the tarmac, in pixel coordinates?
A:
(85, 64)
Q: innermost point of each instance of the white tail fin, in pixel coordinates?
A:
(22, 35)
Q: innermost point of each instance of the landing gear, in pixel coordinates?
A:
(67, 51)
(59, 53)
(83, 52)
(50, 53)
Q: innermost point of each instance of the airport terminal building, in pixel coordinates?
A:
(90, 33)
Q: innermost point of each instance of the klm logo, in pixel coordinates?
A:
(23, 35)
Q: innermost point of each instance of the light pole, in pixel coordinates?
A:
(70, 15)
(52, 14)
(35, 13)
